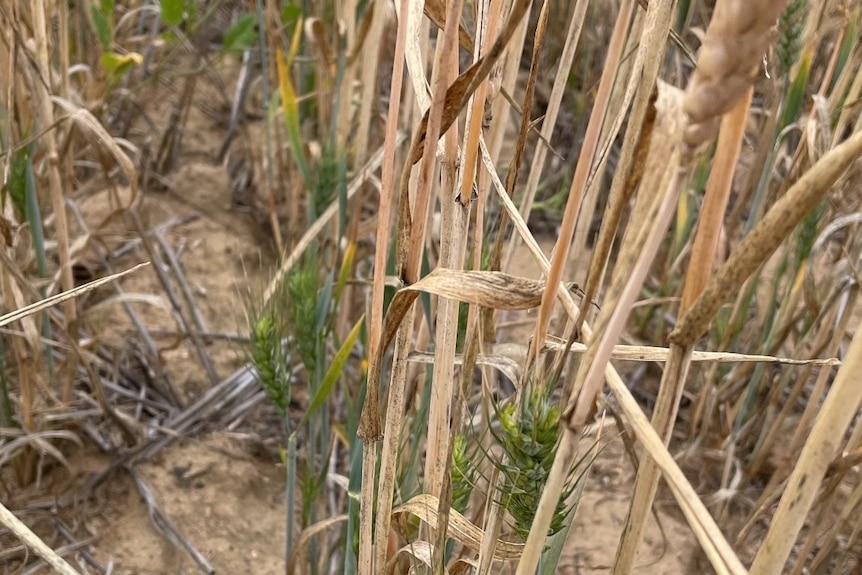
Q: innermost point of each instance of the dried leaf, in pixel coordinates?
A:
(496, 290)
(505, 365)
(64, 296)
(300, 549)
(424, 506)
(660, 354)
(421, 551)
(460, 91)
(436, 12)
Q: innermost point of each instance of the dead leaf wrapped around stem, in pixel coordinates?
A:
(458, 94)
(489, 289)
(424, 506)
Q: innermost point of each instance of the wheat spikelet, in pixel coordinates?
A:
(791, 25)
(738, 35)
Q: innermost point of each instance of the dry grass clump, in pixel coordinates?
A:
(728, 237)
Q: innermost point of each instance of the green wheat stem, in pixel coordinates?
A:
(290, 472)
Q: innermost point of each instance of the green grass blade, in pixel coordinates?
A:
(344, 272)
(334, 372)
(851, 38)
(291, 117)
(37, 232)
(172, 11)
(351, 547)
(795, 99)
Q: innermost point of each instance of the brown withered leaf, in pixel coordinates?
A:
(435, 10)
(456, 99)
(507, 366)
(466, 84)
(489, 289)
(424, 506)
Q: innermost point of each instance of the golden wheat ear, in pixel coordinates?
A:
(736, 41)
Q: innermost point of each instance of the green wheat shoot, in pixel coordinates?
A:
(529, 435)
(464, 474)
(283, 333)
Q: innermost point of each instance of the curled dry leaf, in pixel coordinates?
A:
(466, 84)
(99, 137)
(464, 567)
(305, 537)
(41, 441)
(496, 290)
(421, 551)
(505, 365)
(436, 12)
(488, 289)
(424, 507)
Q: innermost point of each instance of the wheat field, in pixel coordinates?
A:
(422, 281)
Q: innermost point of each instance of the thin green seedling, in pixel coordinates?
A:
(290, 104)
(323, 392)
(354, 486)
(114, 63)
(464, 472)
(549, 562)
(790, 268)
(793, 101)
(409, 479)
(279, 340)
(22, 191)
(791, 104)
(845, 51)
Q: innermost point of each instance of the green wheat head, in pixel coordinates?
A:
(529, 436)
(464, 474)
(286, 331)
(790, 28)
(269, 357)
(300, 299)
